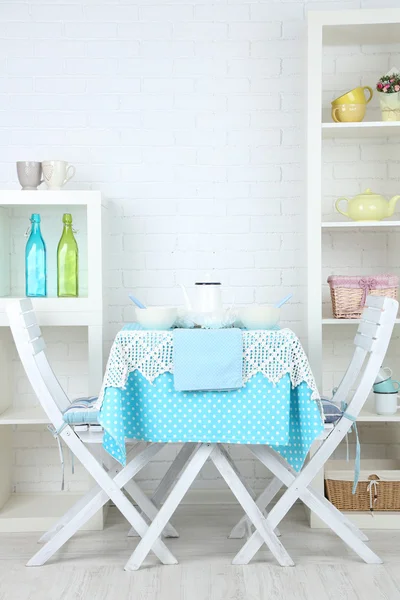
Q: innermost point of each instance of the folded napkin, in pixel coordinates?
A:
(208, 359)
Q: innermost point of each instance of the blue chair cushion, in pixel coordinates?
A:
(332, 412)
(82, 412)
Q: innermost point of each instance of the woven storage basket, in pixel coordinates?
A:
(348, 293)
(385, 495)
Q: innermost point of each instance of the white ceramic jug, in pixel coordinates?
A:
(207, 297)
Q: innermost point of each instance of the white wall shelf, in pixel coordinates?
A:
(33, 512)
(362, 129)
(358, 224)
(37, 512)
(24, 416)
(332, 321)
(343, 28)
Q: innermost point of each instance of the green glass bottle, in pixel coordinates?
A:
(67, 261)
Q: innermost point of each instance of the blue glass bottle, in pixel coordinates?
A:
(35, 261)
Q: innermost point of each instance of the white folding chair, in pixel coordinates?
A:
(372, 340)
(31, 346)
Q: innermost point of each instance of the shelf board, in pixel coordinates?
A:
(49, 198)
(332, 321)
(368, 416)
(59, 311)
(362, 129)
(358, 224)
(38, 512)
(24, 416)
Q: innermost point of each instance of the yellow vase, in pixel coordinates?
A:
(356, 96)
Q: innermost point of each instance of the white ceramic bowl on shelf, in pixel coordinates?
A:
(262, 316)
(156, 317)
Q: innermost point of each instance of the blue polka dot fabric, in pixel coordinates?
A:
(259, 413)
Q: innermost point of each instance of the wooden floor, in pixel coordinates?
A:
(90, 567)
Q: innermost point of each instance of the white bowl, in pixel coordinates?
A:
(262, 316)
(156, 317)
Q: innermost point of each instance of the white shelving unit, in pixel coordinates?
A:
(327, 31)
(36, 512)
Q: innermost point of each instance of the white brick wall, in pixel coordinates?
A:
(189, 117)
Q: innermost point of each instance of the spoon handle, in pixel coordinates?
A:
(283, 301)
(136, 301)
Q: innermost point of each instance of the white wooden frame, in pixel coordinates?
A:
(31, 346)
(372, 338)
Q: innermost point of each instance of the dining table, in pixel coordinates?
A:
(276, 404)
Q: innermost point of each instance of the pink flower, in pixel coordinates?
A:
(391, 81)
(379, 86)
(397, 88)
(384, 90)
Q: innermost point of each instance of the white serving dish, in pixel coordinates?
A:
(156, 317)
(262, 316)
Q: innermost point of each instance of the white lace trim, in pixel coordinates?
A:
(272, 353)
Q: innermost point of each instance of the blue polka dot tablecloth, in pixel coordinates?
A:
(278, 414)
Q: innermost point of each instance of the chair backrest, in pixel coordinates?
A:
(371, 340)
(31, 349)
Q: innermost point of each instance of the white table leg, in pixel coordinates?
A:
(182, 485)
(228, 471)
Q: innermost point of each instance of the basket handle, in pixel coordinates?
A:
(372, 488)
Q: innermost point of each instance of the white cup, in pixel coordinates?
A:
(386, 403)
(57, 173)
(384, 373)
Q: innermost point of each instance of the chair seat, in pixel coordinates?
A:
(82, 412)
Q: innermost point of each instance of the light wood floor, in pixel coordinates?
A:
(90, 566)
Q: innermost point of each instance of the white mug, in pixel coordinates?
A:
(208, 297)
(384, 374)
(57, 173)
(386, 403)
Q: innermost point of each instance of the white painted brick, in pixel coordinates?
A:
(54, 12)
(200, 101)
(242, 67)
(135, 67)
(254, 102)
(277, 49)
(112, 48)
(200, 31)
(68, 85)
(224, 155)
(228, 49)
(90, 31)
(65, 48)
(28, 30)
(215, 12)
(109, 13)
(254, 31)
(278, 11)
(223, 85)
(114, 84)
(250, 173)
(145, 31)
(197, 67)
(171, 48)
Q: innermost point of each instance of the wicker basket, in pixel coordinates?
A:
(348, 294)
(384, 495)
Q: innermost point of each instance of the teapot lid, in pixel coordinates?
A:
(368, 192)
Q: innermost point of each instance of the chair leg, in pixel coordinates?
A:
(182, 485)
(166, 483)
(321, 509)
(263, 500)
(228, 471)
(110, 488)
(150, 451)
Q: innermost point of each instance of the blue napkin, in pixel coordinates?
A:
(208, 359)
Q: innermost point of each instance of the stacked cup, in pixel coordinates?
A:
(351, 107)
(386, 392)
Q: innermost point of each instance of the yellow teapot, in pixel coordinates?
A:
(367, 206)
